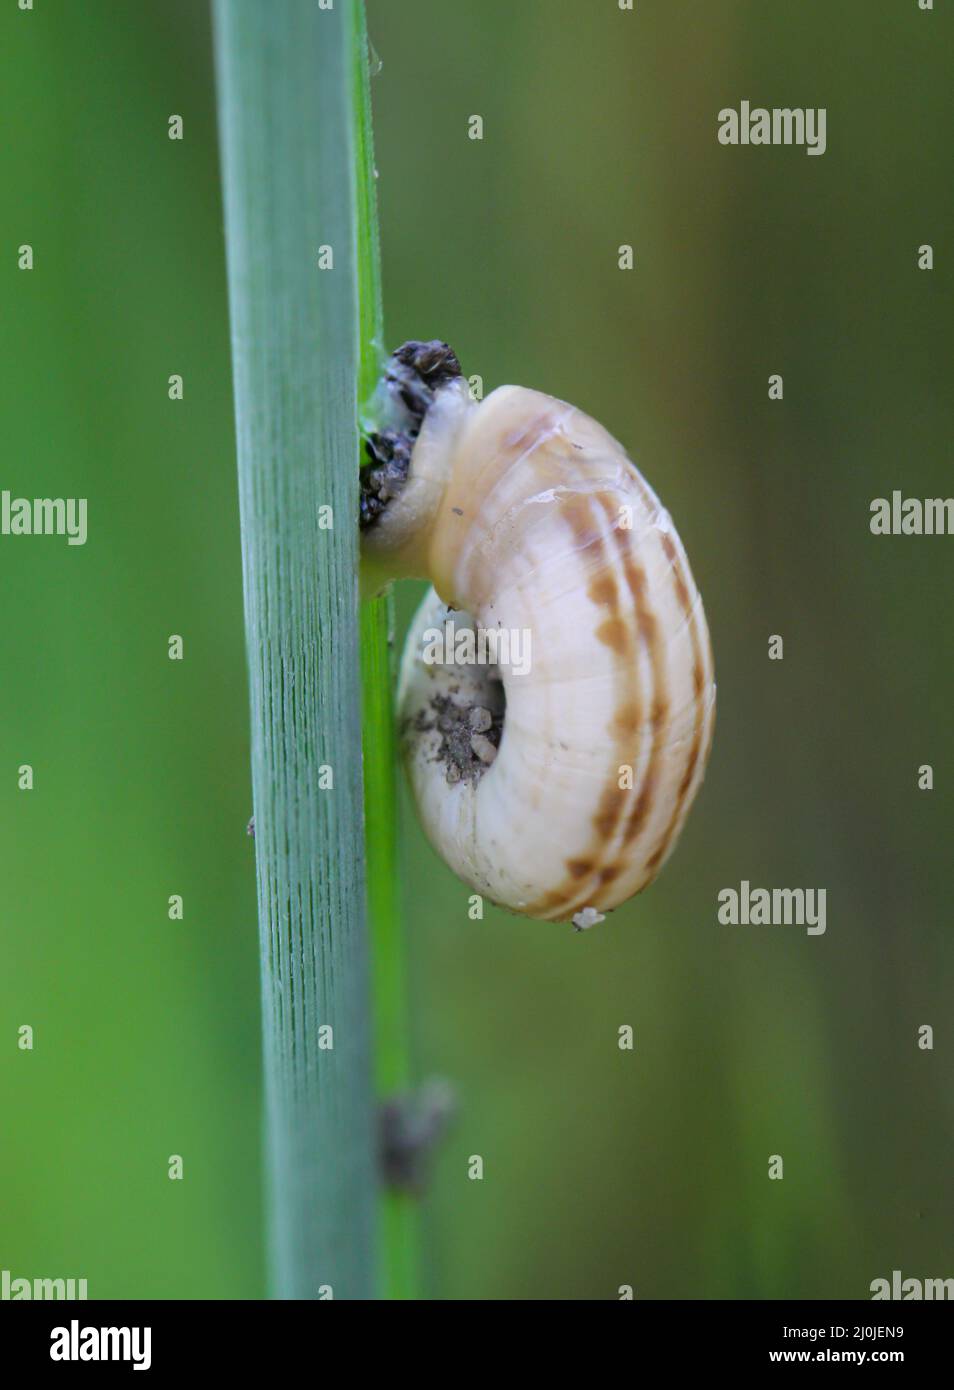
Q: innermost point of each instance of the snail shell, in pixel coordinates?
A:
(560, 787)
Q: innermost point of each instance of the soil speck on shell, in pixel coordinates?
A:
(470, 736)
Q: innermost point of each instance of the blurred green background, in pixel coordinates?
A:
(602, 1167)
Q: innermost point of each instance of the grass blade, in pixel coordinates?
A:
(398, 1211)
(289, 154)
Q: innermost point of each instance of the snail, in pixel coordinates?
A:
(556, 697)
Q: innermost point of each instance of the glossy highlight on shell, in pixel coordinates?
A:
(569, 787)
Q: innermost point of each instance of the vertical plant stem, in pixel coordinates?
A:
(289, 155)
(398, 1212)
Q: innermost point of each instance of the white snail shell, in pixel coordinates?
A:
(527, 516)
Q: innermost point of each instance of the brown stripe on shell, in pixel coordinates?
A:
(698, 679)
(615, 634)
(614, 801)
(626, 721)
(579, 517)
(613, 631)
(604, 591)
(609, 812)
(611, 809)
(579, 868)
(649, 631)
